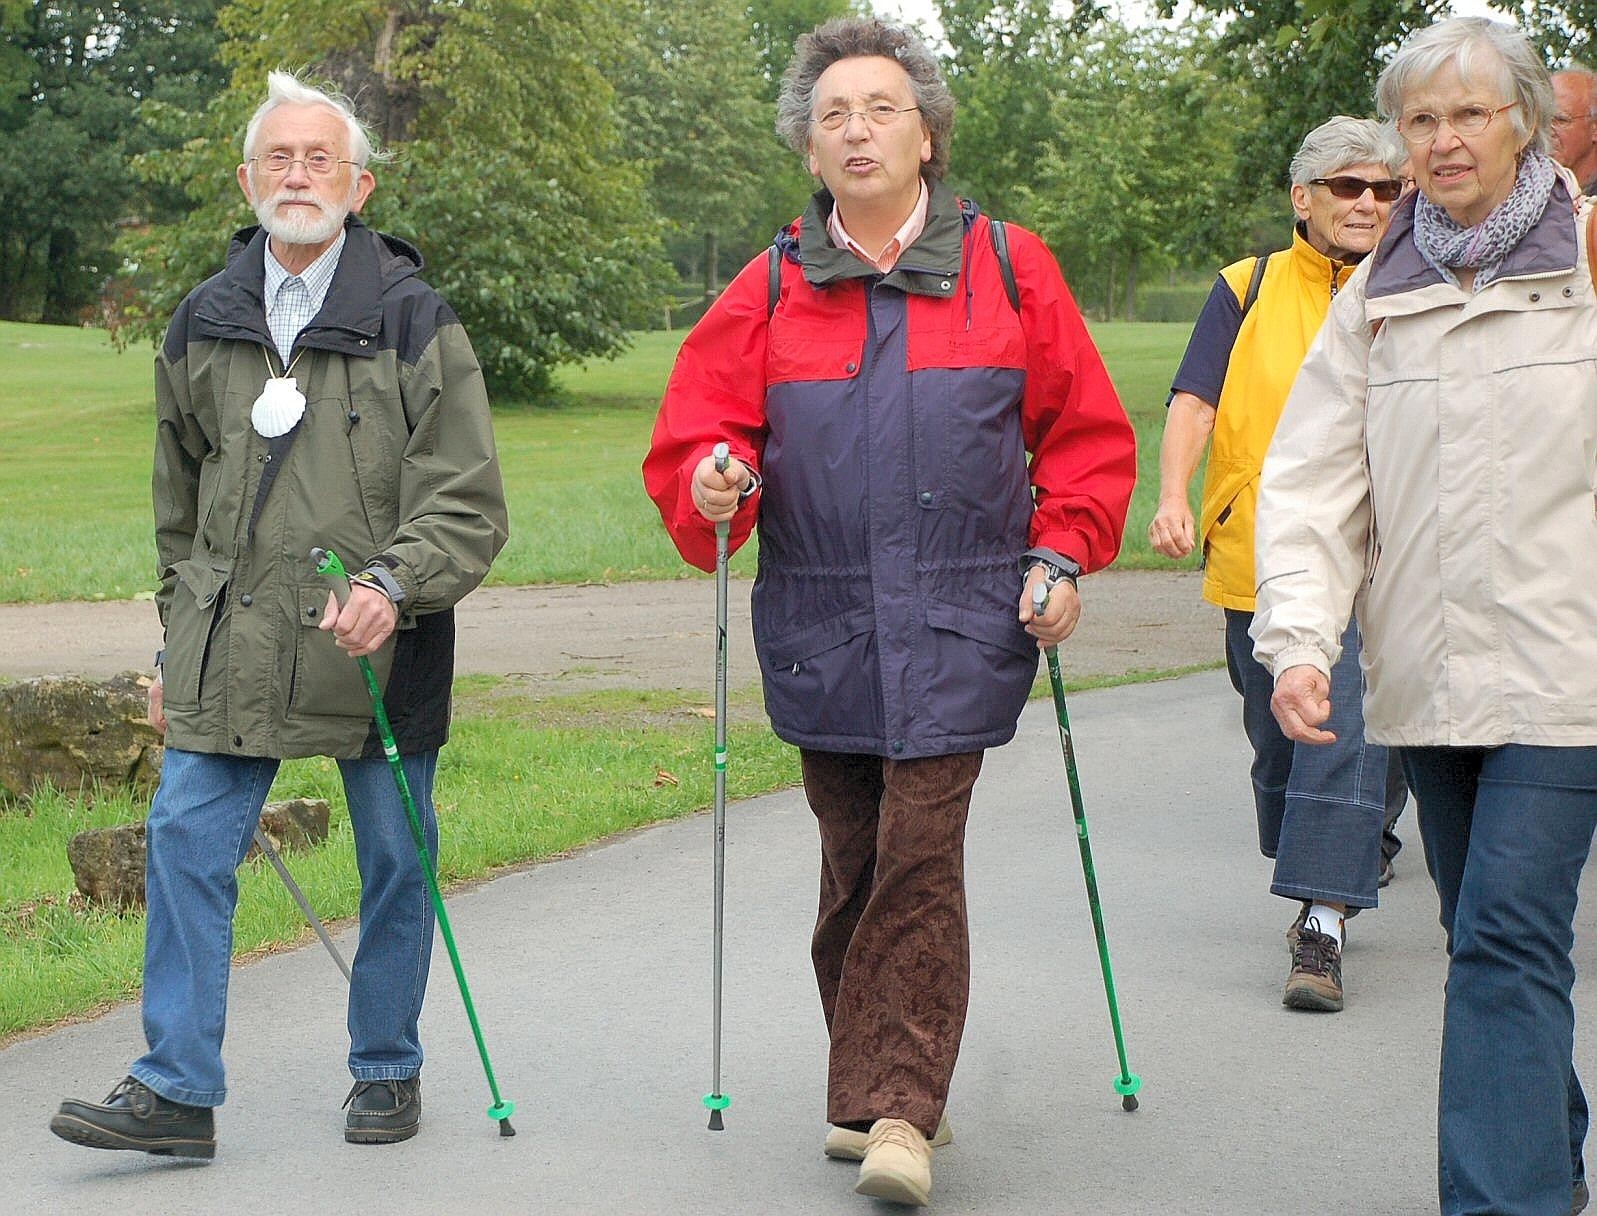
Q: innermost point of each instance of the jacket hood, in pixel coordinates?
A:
(930, 266)
(229, 305)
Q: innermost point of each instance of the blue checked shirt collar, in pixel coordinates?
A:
(289, 312)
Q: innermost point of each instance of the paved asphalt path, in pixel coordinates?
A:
(592, 978)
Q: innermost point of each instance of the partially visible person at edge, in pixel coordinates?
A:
(391, 464)
(1434, 470)
(879, 420)
(1325, 814)
(1574, 124)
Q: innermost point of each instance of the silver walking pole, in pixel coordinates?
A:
(715, 1100)
(265, 846)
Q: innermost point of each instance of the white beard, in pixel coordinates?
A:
(296, 228)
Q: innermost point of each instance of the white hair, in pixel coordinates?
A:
(1342, 142)
(284, 88)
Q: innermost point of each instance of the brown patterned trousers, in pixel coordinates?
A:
(892, 944)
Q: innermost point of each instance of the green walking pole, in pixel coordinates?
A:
(1127, 1083)
(327, 562)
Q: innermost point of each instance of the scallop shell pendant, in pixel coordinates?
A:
(278, 408)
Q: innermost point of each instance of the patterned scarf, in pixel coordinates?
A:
(1444, 243)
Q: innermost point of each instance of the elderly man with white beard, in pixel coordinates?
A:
(315, 392)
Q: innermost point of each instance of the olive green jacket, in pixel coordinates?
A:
(393, 466)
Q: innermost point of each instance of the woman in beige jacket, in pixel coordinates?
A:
(1436, 470)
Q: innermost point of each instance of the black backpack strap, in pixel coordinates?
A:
(1252, 293)
(1000, 238)
(774, 291)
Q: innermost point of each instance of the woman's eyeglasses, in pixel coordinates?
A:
(1386, 190)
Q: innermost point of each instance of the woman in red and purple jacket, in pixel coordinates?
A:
(880, 409)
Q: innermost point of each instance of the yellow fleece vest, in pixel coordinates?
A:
(1294, 298)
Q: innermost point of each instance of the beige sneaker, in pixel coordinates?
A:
(897, 1165)
(846, 1144)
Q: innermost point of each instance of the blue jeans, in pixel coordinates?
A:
(1321, 807)
(1507, 831)
(200, 827)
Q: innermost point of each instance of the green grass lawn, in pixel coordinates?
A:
(76, 433)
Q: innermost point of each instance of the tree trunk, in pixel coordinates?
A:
(1131, 288)
(712, 257)
(1109, 296)
(61, 279)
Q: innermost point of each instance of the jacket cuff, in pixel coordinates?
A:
(1298, 656)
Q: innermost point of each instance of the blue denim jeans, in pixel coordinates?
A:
(200, 827)
(1507, 831)
(1321, 807)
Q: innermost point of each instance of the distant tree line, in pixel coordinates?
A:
(567, 167)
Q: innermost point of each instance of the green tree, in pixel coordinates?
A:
(1564, 31)
(71, 78)
(1307, 60)
(507, 171)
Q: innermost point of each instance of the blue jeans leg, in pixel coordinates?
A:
(1507, 831)
(200, 826)
(396, 917)
(1321, 808)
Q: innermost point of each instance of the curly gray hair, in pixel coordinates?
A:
(1483, 52)
(858, 37)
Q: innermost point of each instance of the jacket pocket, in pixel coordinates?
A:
(823, 679)
(327, 683)
(190, 628)
(979, 668)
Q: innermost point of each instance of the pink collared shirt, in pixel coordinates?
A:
(902, 239)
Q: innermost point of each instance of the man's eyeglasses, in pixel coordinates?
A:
(882, 115)
(317, 164)
(1387, 190)
(1564, 120)
(1422, 127)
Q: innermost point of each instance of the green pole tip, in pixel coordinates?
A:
(501, 1112)
(1126, 1087)
(716, 1101)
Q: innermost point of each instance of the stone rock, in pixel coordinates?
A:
(108, 865)
(297, 824)
(72, 733)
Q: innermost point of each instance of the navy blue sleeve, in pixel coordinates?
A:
(1203, 367)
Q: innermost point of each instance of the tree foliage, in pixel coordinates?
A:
(507, 166)
(71, 78)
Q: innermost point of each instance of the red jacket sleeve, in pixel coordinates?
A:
(716, 392)
(1084, 451)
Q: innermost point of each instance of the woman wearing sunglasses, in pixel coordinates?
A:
(1321, 811)
(1435, 468)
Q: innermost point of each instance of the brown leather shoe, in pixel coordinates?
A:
(135, 1117)
(1315, 982)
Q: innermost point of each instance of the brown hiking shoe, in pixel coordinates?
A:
(846, 1144)
(1316, 978)
(897, 1165)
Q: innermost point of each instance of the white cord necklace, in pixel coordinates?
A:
(280, 405)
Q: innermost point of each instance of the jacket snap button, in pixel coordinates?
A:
(926, 497)
(354, 415)
(310, 612)
(795, 669)
(1568, 291)
(238, 740)
(850, 367)
(898, 746)
(1534, 296)
(363, 341)
(947, 285)
(246, 600)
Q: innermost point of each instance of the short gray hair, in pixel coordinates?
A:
(1342, 142)
(863, 37)
(1482, 51)
(285, 88)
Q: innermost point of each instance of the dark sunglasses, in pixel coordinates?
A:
(1386, 191)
